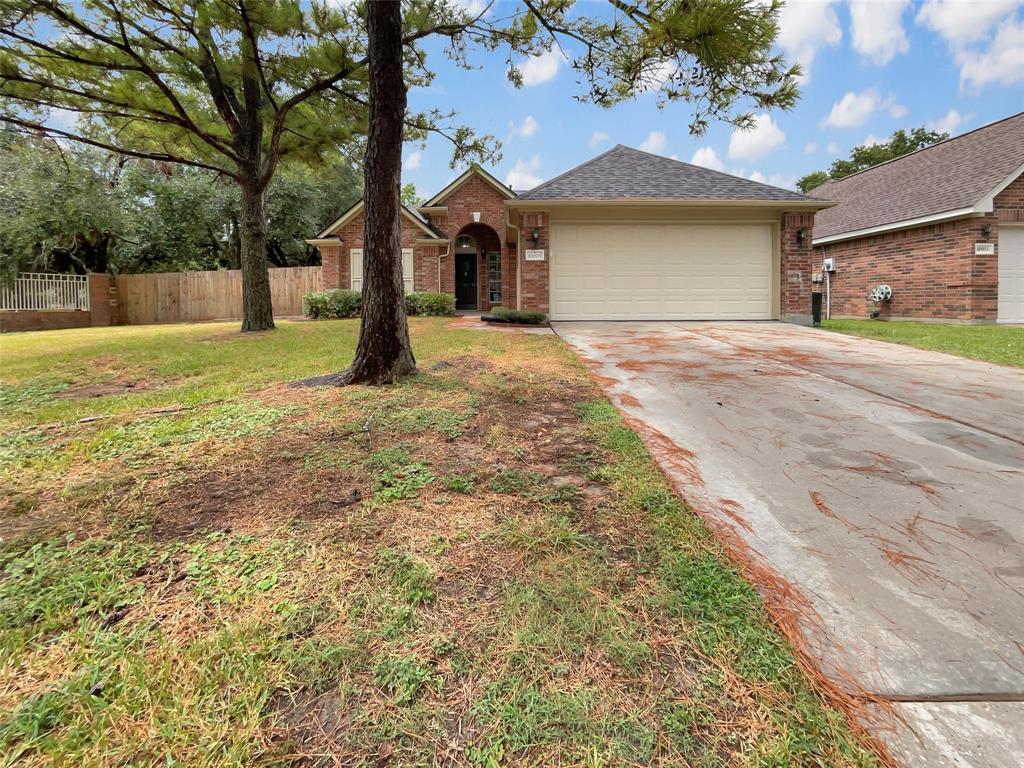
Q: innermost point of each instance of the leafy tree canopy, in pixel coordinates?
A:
(869, 155)
(77, 209)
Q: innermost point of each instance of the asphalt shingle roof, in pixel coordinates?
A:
(623, 173)
(948, 176)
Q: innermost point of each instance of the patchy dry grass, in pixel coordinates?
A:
(479, 566)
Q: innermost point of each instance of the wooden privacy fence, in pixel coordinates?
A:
(183, 297)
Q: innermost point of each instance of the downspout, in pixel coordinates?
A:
(519, 264)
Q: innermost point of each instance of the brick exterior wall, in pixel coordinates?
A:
(932, 269)
(477, 195)
(49, 320)
(796, 270)
(337, 264)
(433, 266)
(535, 294)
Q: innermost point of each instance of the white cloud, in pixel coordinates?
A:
(871, 141)
(757, 142)
(62, 119)
(412, 162)
(810, 148)
(896, 111)
(654, 143)
(877, 27)
(655, 75)
(1001, 64)
(967, 28)
(776, 180)
(472, 7)
(524, 174)
(961, 22)
(853, 109)
(707, 157)
(539, 69)
(528, 127)
(598, 137)
(949, 123)
(832, 148)
(806, 26)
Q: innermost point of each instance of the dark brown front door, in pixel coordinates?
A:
(465, 281)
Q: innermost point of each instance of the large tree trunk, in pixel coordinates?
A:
(383, 354)
(257, 311)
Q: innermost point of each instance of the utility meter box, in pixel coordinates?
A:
(829, 265)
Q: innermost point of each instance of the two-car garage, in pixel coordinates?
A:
(662, 271)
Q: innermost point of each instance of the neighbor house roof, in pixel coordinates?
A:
(432, 232)
(956, 177)
(623, 173)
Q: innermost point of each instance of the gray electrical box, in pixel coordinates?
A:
(829, 265)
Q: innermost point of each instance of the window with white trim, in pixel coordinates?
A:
(494, 277)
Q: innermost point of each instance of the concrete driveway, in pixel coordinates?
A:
(887, 483)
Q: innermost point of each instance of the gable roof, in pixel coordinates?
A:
(623, 173)
(955, 177)
(473, 170)
(356, 207)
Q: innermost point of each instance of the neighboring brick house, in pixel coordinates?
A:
(943, 227)
(627, 235)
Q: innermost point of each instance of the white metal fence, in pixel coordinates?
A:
(33, 290)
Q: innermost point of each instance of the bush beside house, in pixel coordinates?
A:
(341, 303)
(516, 316)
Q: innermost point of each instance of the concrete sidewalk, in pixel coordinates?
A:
(886, 482)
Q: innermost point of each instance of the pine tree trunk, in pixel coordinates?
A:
(384, 353)
(257, 311)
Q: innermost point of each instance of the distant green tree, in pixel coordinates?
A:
(813, 179)
(57, 207)
(410, 198)
(867, 156)
(80, 209)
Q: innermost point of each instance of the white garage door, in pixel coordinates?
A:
(1011, 273)
(661, 271)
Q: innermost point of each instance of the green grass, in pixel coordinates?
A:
(990, 343)
(216, 570)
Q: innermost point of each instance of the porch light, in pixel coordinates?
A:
(800, 236)
(986, 231)
(535, 234)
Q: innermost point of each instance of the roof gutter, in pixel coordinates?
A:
(920, 221)
(787, 205)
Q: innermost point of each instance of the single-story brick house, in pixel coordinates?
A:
(943, 227)
(627, 235)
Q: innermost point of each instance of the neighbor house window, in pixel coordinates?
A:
(494, 277)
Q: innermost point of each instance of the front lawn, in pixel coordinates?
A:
(479, 566)
(990, 343)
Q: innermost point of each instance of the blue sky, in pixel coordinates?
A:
(872, 66)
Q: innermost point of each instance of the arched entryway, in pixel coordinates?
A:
(477, 256)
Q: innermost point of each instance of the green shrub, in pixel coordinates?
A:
(429, 304)
(523, 316)
(335, 303)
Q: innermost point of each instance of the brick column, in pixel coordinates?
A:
(330, 261)
(796, 268)
(535, 273)
(102, 301)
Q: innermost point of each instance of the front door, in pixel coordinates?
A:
(465, 281)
